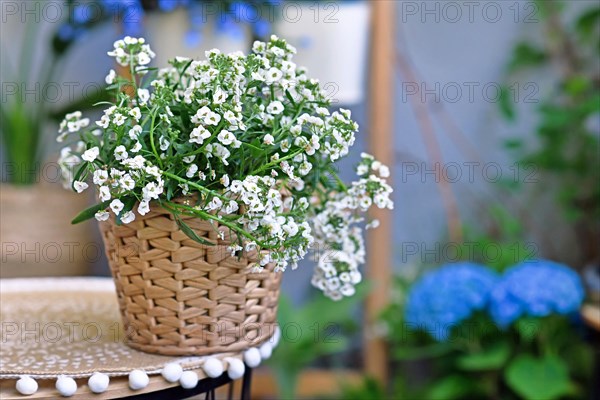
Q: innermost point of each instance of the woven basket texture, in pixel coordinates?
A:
(180, 297)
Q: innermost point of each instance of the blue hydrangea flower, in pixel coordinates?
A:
(535, 288)
(447, 296)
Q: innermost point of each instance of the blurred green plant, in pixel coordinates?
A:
(319, 328)
(499, 244)
(566, 152)
(21, 121)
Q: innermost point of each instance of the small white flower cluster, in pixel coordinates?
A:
(267, 216)
(248, 139)
(338, 235)
(131, 51)
(71, 124)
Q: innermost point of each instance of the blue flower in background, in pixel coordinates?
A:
(536, 288)
(170, 5)
(129, 12)
(447, 296)
(231, 18)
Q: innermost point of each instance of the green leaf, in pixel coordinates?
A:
(588, 22)
(452, 387)
(422, 352)
(190, 232)
(507, 108)
(528, 328)
(526, 55)
(493, 358)
(78, 174)
(513, 143)
(289, 97)
(538, 378)
(577, 85)
(90, 212)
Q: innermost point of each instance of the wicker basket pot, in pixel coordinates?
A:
(180, 297)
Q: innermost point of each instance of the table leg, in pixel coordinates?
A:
(246, 383)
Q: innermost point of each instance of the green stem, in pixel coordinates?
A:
(152, 138)
(195, 186)
(273, 163)
(208, 216)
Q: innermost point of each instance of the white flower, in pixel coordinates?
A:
(116, 206)
(144, 207)
(100, 176)
(224, 180)
(153, 170)
(214, 204)
(226, 137)
(231, 207)
(151, 191)
(381, 200)
(199, 134)
(373, 224)
(144, 59)
(191, 171)
(127, 182)
(121, 153)
(273, 75)
(212, 118)
(80, 186)
(384, 171)
(230, 117)
(135, 132)
(143, 96)
(102, 215)
(110, 78)
(73, 115)
(275, 108)
(236, 186)
(163, 143)
(119, 119)
(268, 139)
(128, 217)
(91, 154)
(136, 162)
(136, 113)
(104, 193)
(219, 97)
(136, 147)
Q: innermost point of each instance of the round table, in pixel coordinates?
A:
(71, 327)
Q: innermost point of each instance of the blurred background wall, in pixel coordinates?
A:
(450, 62)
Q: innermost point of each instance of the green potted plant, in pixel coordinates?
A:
(35, 239)
(213, 177)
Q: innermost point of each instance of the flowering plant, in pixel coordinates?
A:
(448, 296)
(493, 336)
(230, 16)
(247, 140)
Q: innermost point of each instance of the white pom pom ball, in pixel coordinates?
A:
(138, 379)
(276, 336)
(265, 350)
(66, 386)
(252, 357)
(98, 382)
(172, 372)
(213, 367)
(26, 385)
(188, 380)
(236, 368)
